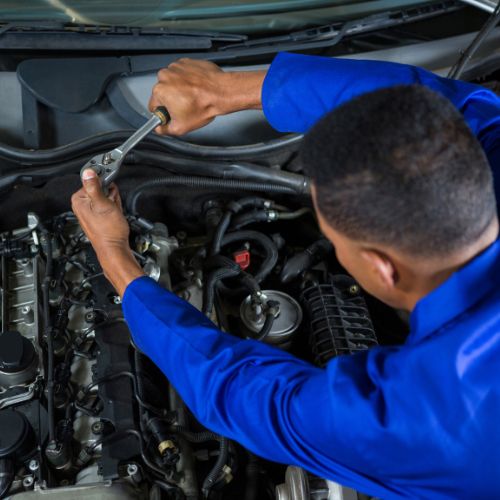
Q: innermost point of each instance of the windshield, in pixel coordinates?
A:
(221, 15)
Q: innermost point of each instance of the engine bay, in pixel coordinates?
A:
(83, 412)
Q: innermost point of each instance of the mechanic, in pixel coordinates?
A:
(404, 190)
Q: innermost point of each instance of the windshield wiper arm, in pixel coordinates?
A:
(53, 36)
(43, 26)
(331, 34)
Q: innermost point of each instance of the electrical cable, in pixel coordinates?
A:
(216, 470)
(47, 242)
(458, 68)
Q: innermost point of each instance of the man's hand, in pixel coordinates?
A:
(195, 92)
(102, 220)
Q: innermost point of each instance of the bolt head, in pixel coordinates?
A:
(132, 469)
(97, 427)
(28, 481)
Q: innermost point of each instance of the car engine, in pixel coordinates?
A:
(84, 413)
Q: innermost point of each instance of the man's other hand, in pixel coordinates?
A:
(101, 218)
(195, 92)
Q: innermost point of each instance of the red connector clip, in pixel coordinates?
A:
(242, 258)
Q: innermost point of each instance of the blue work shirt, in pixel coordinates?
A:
(419, 420)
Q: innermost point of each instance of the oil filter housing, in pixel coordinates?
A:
(286, 322)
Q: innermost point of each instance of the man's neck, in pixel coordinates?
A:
(436, 273)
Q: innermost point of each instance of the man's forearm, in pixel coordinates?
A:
(241, 90)
(120, 268)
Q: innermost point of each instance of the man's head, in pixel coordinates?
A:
(402, 189)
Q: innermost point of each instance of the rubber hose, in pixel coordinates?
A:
(264, 242)
(250, 218)
(302, 261)
(266, 327)
(202, 183)
(214, 474)
(220, 231)
(234, 208)
(249, 172)
(240, 171)
(250, 282)
(293, 215)
(211, 281)
(252, 473)
(109, 140)
(196, 437)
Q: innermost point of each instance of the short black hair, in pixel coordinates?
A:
(400, 166)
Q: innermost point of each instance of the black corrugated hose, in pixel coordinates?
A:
(216, 471)
(195, 182)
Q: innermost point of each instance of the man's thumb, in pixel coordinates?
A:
(92, 185)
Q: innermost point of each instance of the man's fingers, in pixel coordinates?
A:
(114, 196)
(92, 186)
(154, 102)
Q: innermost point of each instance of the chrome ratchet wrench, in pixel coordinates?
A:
(107, 165)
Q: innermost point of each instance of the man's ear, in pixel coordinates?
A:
(382, 267)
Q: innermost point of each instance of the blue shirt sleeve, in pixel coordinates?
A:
(298, 90)
(334, 422)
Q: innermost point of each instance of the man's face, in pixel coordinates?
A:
(366, 265)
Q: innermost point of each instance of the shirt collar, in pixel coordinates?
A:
(459, 292)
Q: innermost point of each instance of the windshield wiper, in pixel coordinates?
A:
(49, 35)
(329, 35)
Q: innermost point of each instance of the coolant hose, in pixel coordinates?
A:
(220, 231)
(218, 268)
(194, 182)
(234, 207)
(211, 281)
